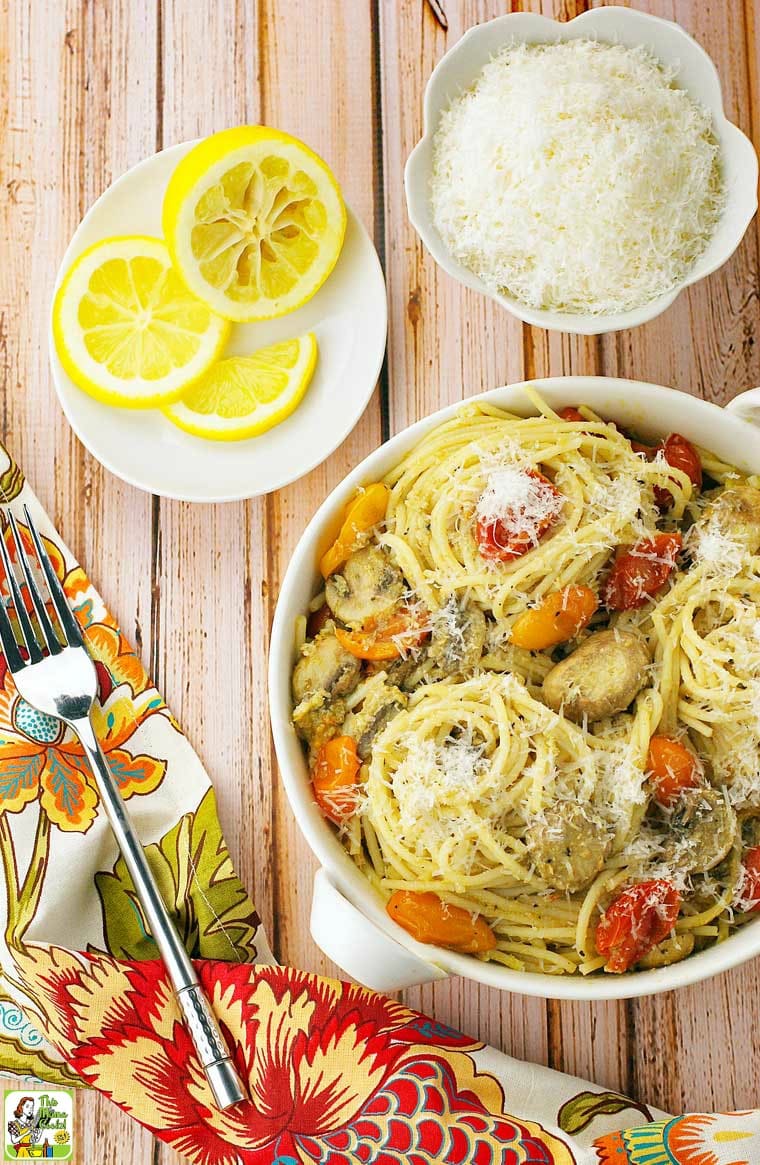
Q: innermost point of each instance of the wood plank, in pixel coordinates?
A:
(316, 68)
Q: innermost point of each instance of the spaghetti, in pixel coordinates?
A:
(504, 768)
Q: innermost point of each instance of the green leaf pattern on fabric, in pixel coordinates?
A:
(192, 866)
(579, 1111)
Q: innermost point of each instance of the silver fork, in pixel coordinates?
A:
(59, 678)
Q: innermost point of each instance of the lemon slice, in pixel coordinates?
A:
(127, 329)
(243, 396)
(254, 221)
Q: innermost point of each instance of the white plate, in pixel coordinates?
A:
(348, 315)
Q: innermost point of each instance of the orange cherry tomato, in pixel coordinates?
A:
(571, 414)
(425, 917)
(334, 778)
(365, 511)
(681, 454)
(749, 888)
(639, 572)
(387, 640)
(672, 768)
(560, 616)
(503, 539)
(640, 918)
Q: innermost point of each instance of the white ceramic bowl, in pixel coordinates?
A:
(348, 315)
(349, 921)
(457, 71)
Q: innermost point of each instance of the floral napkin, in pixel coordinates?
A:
(336, 1073)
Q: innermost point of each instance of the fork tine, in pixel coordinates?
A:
(25, 623)
(48, 631)
(7, 638)
(68, 620)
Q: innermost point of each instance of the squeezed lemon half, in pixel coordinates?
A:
(254, 221)
(127, 329)
(243, 396)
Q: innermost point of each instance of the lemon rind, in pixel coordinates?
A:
(231, 432)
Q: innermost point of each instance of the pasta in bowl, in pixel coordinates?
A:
(525, 685)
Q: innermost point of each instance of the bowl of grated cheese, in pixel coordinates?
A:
(583, 173)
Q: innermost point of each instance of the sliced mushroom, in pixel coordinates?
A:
(734, 512)
(600, 677)
(567, 845)
(378, 708)
(325, 672)
(671, 950)
(702, 830)
(368, 586)
(325, 667)
(458, 638)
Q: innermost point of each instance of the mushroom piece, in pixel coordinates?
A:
(368, 586)
(458, 638)
(600, 677)
(702, 831)
(325, 667)
(378, 708)
(567, 845)
(325, 672)
(735, 513)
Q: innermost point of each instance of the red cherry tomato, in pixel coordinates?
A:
(749, 887)
(317, 620)
(681, 454)
(638, 573)
(571, 414)
(638, 919)
(503, 539)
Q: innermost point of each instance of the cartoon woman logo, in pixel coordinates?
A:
(24, 1131)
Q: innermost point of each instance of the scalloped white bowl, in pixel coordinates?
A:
(348, 920)
(696, 73)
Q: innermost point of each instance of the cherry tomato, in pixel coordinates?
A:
(638, 919)
(638, 573)
(560, 616)
(501, 539)
(334, 778)
(571, 414)
(365, 511)
(317, 620)
(672, 768)
(749, 887)
(388, 640)
(681, 454)
(425, 917)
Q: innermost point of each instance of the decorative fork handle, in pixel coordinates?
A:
(207, 1038)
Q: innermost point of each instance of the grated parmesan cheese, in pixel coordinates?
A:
(576, 177)
(522, 501)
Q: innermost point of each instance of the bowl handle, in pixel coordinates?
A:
(359, 947)
(746, 405)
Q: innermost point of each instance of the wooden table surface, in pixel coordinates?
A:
(92, 86)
